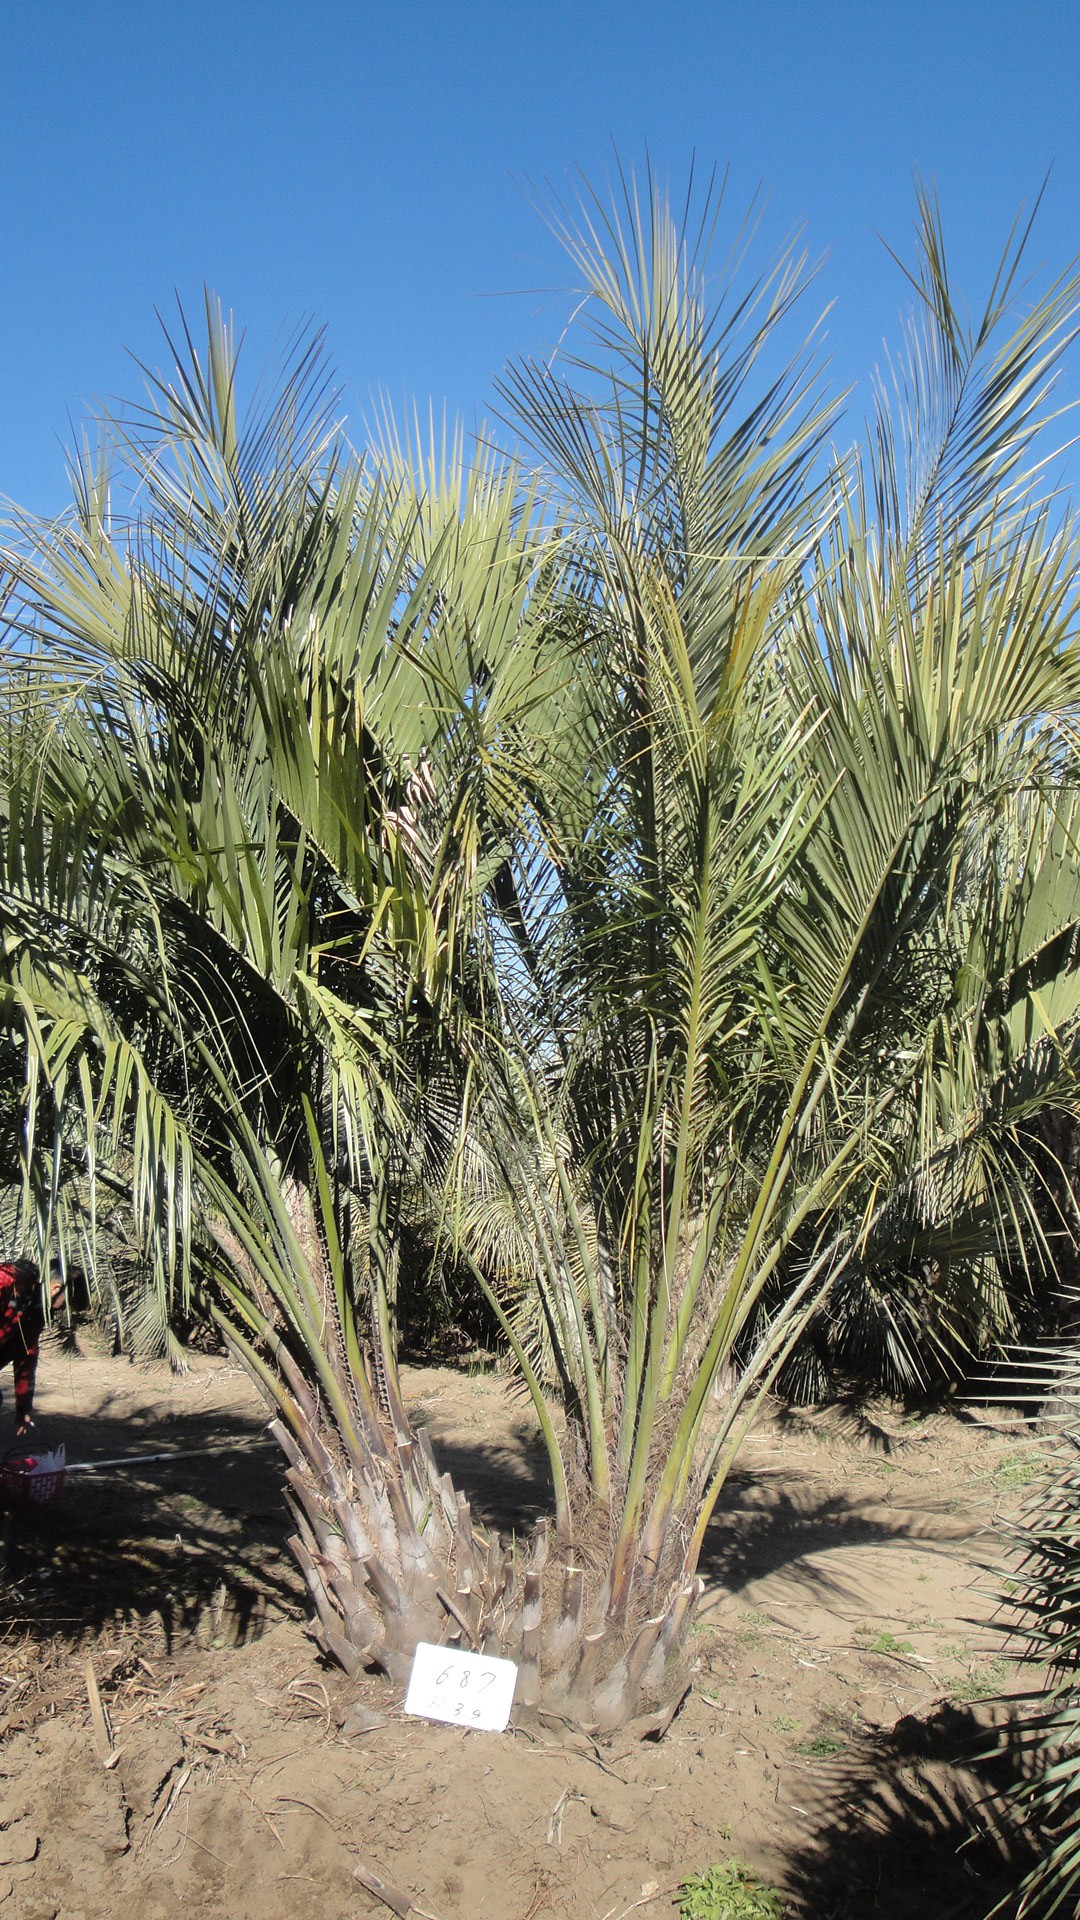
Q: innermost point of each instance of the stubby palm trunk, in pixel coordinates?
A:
(391, 1556)
(387, 1544)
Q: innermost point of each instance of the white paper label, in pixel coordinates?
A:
(466, 1689)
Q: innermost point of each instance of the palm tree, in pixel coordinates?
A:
(250, 798)
(811, 862)
(655, 883)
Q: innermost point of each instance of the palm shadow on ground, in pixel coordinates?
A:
(759, 1529)
(911, 1821)
(168, 1540)
(171, 1540)
(165, 1537)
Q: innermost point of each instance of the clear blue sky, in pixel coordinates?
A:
(368, 165)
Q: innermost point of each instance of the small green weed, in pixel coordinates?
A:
(884, 1642)
(731, 1892)
(820, 1746)
(981, 1685)
(750, 1627)
(785, 1724)
(1019, 1469)
(480, 1362)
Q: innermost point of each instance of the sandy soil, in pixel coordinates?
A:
(843, 1663)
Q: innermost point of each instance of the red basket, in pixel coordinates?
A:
(21, 1487)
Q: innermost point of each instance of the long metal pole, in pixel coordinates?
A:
(146, 1459)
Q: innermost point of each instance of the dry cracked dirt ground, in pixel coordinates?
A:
(845, 1666)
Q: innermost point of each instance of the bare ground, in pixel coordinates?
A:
(845, 1657)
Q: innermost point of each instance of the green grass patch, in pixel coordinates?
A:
(883, 1642)
(820, 1746)
(983, 1684)
(731, 1892)
(1020, 1470)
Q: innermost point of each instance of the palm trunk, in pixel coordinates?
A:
(391, 1556)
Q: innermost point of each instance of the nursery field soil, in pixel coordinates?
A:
(171, 1743)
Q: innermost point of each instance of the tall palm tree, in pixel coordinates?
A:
(802, 949)
(646, 880)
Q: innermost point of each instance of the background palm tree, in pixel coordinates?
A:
(246, 820)
(655, 884)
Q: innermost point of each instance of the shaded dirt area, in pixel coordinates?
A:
(845, 1661)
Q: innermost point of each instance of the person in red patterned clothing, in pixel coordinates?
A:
(22, 1319)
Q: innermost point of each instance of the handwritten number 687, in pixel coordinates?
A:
(447, 1674)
